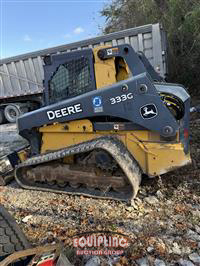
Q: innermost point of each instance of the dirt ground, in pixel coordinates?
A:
(164, 223)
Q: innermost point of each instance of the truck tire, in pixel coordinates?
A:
(12, 112)
(11, 237)
(2, 117)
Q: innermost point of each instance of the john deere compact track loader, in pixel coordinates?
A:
(107, 118)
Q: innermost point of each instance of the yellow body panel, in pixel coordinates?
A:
(154, 156)
(105, 70)
(168, 157)
(22, 155)
(73, 126)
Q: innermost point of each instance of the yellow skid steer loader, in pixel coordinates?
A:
(107, 118)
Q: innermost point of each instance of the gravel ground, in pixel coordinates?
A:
(9, 139)
(164, 223)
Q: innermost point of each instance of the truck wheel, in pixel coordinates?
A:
(2, 117)
(12, 112)
(11, 237)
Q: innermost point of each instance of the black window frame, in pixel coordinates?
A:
(61, 59)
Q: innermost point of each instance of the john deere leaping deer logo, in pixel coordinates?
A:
(148, 111)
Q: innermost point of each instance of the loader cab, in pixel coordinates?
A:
(74, 73)
(68, 75)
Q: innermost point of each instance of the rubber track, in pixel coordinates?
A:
(11, 237)
(110, 144)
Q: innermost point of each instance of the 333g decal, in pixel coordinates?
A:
(121, 98)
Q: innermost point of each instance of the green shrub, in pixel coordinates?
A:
(180, 19)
